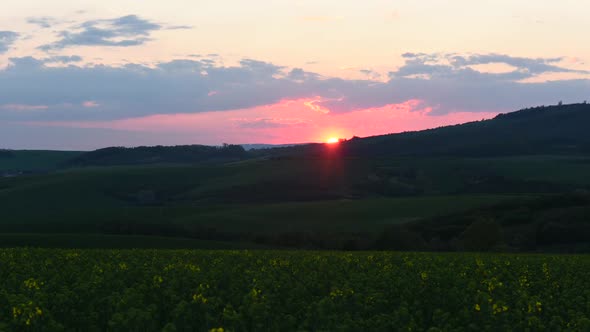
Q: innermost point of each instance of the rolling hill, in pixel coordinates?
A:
(426, 190)
(549, 130)
(544, 130)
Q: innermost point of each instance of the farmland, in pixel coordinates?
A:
(181, 290)
(155, 238)
(312, 203)
(297, 166)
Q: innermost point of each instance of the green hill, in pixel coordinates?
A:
(540, 130)
(419, 190)
(550, 130)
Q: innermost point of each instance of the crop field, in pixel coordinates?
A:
(187, 290)
(185, 195)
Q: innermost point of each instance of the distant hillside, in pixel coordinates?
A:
(33, 161)
(560, 129)
(158, 155)
(539, 130)
(550, 130)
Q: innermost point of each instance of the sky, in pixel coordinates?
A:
(81, 74)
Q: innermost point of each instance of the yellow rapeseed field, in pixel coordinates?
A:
(200, 290)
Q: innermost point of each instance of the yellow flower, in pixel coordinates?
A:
(31, 283)
(334, 293)
(16, 312)
(477, 307)
(479, 262)
(499, 309)
(193, 268)
(200, 298)
(217, 329)
(255, 292)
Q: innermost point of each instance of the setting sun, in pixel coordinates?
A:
(332, 140)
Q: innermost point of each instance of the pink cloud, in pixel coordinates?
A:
(90, 104)
(288, 121)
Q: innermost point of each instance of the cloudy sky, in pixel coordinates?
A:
(81, 74)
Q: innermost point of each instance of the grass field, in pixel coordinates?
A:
(225, 194)
(275, 196)
(335, 215)
(181, 290)
(556, 169)
(339, 215)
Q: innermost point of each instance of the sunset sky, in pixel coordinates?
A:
(80, 74)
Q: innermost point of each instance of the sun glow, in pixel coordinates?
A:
(332, 140)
